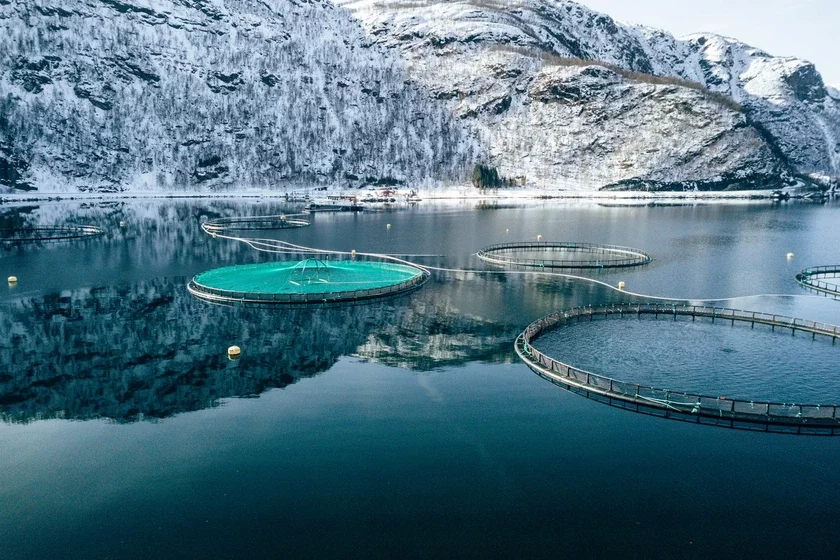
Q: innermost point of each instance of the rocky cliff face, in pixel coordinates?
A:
(107, 95)
(202, 94)
(560, 94)
(785, 98)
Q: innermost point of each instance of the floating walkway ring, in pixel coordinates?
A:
(602, 256)
(307, 283)
(718, 411)
(813, 279)
(48, 233)
(280, 221)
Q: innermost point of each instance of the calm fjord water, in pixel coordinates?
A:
(403, 427)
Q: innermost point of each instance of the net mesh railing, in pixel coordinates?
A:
(737, 413)
(814, 278)
(602, 256)
(279, 221)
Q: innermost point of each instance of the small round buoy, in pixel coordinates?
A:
(213, 235)
(282, 218)
(234, 352)
(790, 255)
(387, 226)
(621, 285)
(539, 238)
(353, 253)
(507, 230)
(122, 224)
(12, 279)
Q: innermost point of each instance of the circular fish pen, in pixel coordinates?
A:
(312, 281)
(823, 279)
(248, 223)
(547, 254)
(678, 405)
(48, 233)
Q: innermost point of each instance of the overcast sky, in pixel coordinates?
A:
(808, 29)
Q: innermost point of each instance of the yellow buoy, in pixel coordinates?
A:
(12, 279)
(122, 224)
(790, 255)
(282, 218)
(213, 235)
(353, 253)
(621, 285)
(539, 238)
(234, 352)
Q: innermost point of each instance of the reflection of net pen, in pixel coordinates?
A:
(524, 253)
(677, 405)
(814, 278)
(43, 234)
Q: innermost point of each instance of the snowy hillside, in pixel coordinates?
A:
(113, 95)
(199, 94)
(703, 112)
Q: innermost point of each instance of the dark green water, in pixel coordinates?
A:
(400, 428)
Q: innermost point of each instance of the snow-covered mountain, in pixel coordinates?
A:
(566, 95)
(108, 95)
(162, 94)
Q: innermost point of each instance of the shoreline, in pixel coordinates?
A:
(466, 193)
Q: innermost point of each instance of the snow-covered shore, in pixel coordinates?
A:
(451, 193)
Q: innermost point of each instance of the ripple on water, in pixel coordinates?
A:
(714, 359)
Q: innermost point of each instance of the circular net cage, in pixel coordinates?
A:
(548, 254)
(48, 233)
(742, 414)
(822, 279)
(254, 223)
(311, 281)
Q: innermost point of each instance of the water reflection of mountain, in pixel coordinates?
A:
(170, 227)
(143, 347)
(151, 350)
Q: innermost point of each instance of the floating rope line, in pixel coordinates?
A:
(282, 247)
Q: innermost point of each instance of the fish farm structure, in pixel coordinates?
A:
(547, 254)
(281, 221)
(678, 405)
(48, 233)
(312, 281)
(823, 279)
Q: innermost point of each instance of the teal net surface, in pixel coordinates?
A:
(312, 276)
